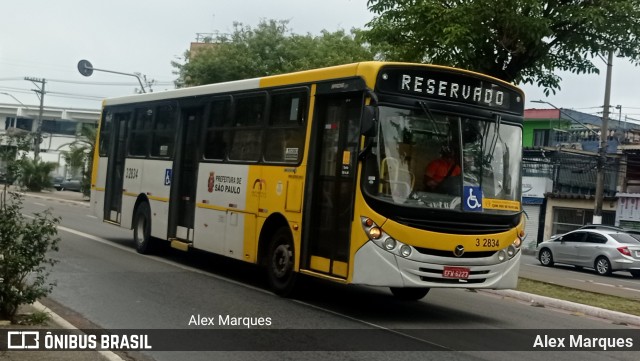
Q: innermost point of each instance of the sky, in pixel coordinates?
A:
(46, 39)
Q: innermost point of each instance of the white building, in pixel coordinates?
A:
(60, 127)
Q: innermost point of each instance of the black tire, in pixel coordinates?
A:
(281, 262)
(545, 257)
(409, 294)
(602, 266)
(635, 273)
(142, 229)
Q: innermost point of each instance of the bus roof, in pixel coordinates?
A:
(335, 72)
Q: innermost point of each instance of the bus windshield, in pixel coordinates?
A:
(436, 160)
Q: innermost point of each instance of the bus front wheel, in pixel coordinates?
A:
(142, 229)
(409, 294)
(280, 262)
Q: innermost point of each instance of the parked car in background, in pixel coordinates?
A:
(634, 232)
(605, 250)
(71, 185)
(56, 182)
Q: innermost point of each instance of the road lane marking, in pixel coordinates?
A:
(195, 270)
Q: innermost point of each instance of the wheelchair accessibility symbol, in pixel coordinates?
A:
(472, 198)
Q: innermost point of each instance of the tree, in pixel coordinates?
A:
(35, 174)
(80, 155)
(268, 49)
(25, 244)
(521, 41)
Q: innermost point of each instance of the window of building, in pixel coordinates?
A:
(24, 124)
(568, 219)
(10, 122)
(541, 137)
(60, 127)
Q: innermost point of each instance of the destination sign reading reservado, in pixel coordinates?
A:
(447, 85)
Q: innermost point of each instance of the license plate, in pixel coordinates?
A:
(455, 272)
(637, 253)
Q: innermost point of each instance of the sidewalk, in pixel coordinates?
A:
(55, 322)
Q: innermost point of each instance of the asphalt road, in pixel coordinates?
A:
(103, 282)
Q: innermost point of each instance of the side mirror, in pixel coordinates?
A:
(369, 121)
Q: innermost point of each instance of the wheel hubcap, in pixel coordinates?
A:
(545, 257)
(603, 267)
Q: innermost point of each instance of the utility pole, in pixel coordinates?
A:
(40, 93)
(602, 151)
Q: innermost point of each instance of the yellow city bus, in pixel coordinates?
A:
(322, 173)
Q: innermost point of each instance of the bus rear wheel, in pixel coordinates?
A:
(142, 229)
(409, 294)
(280, 262)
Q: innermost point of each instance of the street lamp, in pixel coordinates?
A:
(85, 68)
(566, 114)
(16, 99)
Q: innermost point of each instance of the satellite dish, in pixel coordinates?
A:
(85, 68)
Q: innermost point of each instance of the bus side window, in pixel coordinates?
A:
(286, 129)
(247, 133)
(219, 131)
(164, 132)
(140, 132)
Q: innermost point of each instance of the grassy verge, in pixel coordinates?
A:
(600, 300)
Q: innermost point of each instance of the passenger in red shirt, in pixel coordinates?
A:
(440, 169)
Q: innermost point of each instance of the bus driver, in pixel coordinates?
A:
(440, 169)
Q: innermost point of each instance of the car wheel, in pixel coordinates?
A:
(280, 262)
(409, 294)
(635, 273)
(603, 266)
(546, 258)
(142, 229)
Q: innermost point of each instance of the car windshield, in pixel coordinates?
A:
(625, 238)
(435, 160)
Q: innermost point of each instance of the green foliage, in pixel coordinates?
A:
(12, 152)
(35, 174)
(522, 41)
(24, 245)
(268, 49)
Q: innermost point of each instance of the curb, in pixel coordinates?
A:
(53, 198)
(107, 355)
(614, 316)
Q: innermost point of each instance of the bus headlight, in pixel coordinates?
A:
(389, 243)
(511, 251)
(502, 256)
(405, 251)
(383, 240)
(375, 233)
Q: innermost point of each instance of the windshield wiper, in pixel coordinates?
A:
(427, 111)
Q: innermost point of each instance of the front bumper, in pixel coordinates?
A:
(376, 267)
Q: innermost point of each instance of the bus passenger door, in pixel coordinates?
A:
(182, 199)
(332, 183)
(115, 168)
